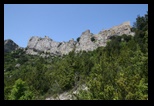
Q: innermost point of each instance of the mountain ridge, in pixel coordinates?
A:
(86, 42)
(10, 45)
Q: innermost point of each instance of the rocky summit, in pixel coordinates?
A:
(9, 46)
(86, 42)
(47, 45)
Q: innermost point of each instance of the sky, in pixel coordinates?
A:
(62, 22)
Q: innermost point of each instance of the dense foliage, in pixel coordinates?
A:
(92, 39)
(118, 71)
(20, 91)
(78, 39)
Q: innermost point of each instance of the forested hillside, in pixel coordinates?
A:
(118, 71)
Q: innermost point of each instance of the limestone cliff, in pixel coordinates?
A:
(87, 42)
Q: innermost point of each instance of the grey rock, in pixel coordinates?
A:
(44, 55)
(66, 47)
(37, 44)
(9, 46)
(85, 43)
(31, 51)
(47, 45)
(69, 95)
(119, 30)
(17, 65)
(32, 42)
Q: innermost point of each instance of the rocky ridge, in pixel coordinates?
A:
(87, 41)
(69, 95)
(9, 46)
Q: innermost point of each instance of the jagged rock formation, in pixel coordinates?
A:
(47, 45)
(87, 42)
(102, 37)
(37, 44)
(66, 47)
(9, 46)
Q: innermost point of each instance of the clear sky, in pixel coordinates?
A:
(62, 22)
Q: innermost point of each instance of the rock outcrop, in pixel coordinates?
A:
(9, 46)
(69, 95)
(102, 37)
(66, 47)
(37, 44)
(47, 45)
(87, 42)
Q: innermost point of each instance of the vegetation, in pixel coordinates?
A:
(20, 91)
(78, 39)
(92, 39)
(118, 71)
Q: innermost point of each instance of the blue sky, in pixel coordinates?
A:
(62, 22)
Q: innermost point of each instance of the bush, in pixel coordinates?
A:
(78, 39)
(92, 39)
(20, 91)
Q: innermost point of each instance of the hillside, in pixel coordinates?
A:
(86, 42)
(112, 65)
(9, 46)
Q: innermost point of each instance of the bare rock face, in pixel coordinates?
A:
(32, 42)
(9, 45)
(69, 95)
(119, 30)
(47, 45)
(37, 44)
(87, 42)
(66, 47)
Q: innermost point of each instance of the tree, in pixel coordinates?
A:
(118, 71)
(20, 91)
(126, 37)
(93, 39)
(78, 39)
(6, 92)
